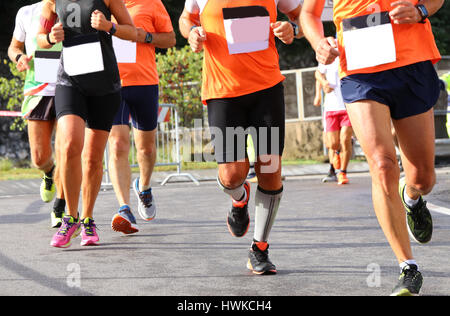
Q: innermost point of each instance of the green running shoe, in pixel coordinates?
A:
(47, 189)
(56, 218)
(420, 222)
(409, 283)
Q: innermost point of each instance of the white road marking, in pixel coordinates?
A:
(438, 209)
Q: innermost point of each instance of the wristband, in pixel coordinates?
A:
(193, 27)
(423, 12)
(113, 29)
(48, 40)
(295, 27)
(18, 57)
(149, 38)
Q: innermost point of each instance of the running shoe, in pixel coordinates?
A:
(342, 178)
(146, 202)
(337, 161)
(124, 221)
(69, 230)
(331, 177)
(258, 259)
(47, 189)
(238, 219)
(57, 218)
(420, 222)
(410, 282)
(89, 235)
(58, 213)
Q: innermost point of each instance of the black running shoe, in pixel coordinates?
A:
(410, 282)
(238, 220)
(420, 222)
(258, 259)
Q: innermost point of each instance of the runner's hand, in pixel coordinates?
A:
(404, 12)
(23, 63)
(327, 88)
(284, 31)
(326, 51)
(99, 21)
(57, 33)
(197, 37)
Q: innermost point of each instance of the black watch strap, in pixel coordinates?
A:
(423, 12)
(113, 29)
(295, 27)
(48, 40)
(149, 38)
(18, 57)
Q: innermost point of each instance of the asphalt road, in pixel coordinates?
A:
(326, 241)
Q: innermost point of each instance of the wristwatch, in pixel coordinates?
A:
(423, 12)
(18, 57)
(149, 38)
(296, 28)
(113, 29)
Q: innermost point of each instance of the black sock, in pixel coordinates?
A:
(50, 173)
(60, 205)
(332, 170)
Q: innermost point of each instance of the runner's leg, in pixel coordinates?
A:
(417, 152)
(119, 165)
(70, 141)
(372, 125)
(146, 155)
(94, 147)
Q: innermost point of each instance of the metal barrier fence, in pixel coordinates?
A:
(167, 147)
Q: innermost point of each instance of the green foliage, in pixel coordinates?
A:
(441, 28)
(11, 91)
(180, 72)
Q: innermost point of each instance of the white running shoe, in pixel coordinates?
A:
(146, 202)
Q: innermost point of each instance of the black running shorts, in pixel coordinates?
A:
(260, 114)
(44, 111)
(97, 111)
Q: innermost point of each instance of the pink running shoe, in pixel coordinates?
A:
(89, 235)
(69, 230)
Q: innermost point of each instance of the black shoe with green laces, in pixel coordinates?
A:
(419, 220)
(258, 259)
(410, 282)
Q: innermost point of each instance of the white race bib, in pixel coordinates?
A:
(46, 65)
(83, 55)
(125, 50)
(247, 29)
(369, 41)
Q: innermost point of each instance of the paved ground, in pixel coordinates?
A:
(326, 242)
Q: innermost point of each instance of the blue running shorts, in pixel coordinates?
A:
(408, 91)
(141, 104)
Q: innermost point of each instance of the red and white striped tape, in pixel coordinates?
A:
(10, 113)
(163, 114)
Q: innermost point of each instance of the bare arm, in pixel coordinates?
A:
(325, 48)
(404, 12)
(125, 28)
(294, 16)
(56, 34)
(15, 49)
(160, 40)
(190, 28)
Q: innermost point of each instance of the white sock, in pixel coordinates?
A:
(409, 201)
(267, 204)
(143, 188)
(408, 263)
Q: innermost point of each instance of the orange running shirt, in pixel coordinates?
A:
(413, 42)
(240, 56)
(152, 16)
